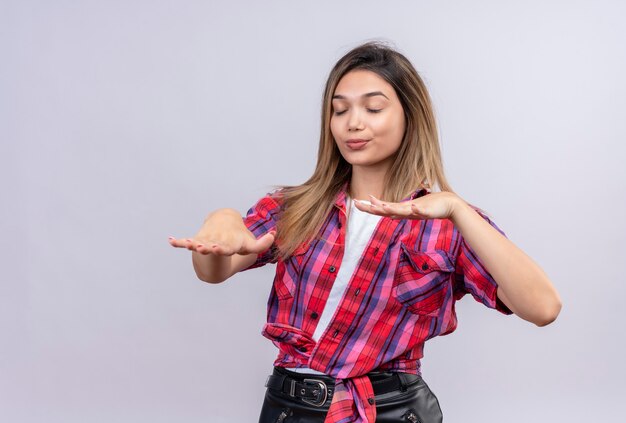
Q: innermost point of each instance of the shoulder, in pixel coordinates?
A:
(270, 201)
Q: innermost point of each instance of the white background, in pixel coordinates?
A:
(124, 122)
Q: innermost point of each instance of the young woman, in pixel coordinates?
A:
(370, 260)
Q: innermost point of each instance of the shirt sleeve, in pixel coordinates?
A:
(472, 277)
(260, 219)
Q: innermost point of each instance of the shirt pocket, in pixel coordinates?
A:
(288, 274)
(422, 280)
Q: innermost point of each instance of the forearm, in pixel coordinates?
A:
(527, 290)
(211, 268)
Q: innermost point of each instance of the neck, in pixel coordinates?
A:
(367, 181)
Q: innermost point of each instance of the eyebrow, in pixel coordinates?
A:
(372, 94)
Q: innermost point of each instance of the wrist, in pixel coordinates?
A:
(459, 206)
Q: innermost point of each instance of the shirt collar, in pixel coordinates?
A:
(340, 198)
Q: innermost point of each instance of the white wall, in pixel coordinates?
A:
(124, 122)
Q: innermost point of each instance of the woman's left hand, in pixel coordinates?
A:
(436, 205)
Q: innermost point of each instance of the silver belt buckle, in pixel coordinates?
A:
(323, 395)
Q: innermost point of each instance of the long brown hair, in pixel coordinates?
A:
(417, 163)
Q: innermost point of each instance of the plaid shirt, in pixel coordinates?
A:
(402, 293)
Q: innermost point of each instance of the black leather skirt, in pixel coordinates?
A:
(291, 399)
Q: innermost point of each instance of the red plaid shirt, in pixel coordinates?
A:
(401, 294)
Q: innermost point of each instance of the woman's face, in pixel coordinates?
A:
(367, 120)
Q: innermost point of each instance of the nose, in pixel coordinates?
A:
(355, 122)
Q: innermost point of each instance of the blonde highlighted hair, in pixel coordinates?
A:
(417, 163)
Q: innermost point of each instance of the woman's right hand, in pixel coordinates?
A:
(224, 233)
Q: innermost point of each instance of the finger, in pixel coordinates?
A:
(222, 249)
(202, 249)
(174, 242)
(197, 246)
(263, 243)
(179, 243)
(381, 203)
(418, 210)
(381, 210)
(369, 208)
(361, 205)
(191, 245)
(378, 210)
(388, 207)
(393, 210)
(375, 200)
(259, 245)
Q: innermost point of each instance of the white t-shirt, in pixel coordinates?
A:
(360, 226)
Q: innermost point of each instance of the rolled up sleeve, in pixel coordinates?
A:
(260, 219)
(472, 277)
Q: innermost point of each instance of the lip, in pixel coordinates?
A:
(356, 144)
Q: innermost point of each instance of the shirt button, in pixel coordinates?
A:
(357, 291)
(371, 401)
(314, 315)
(335, 334)
(425, 266)
(302, 349)
(332, 269)
(339, 225)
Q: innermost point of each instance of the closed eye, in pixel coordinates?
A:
(339, 113)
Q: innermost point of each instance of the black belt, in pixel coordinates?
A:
(318, 390)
